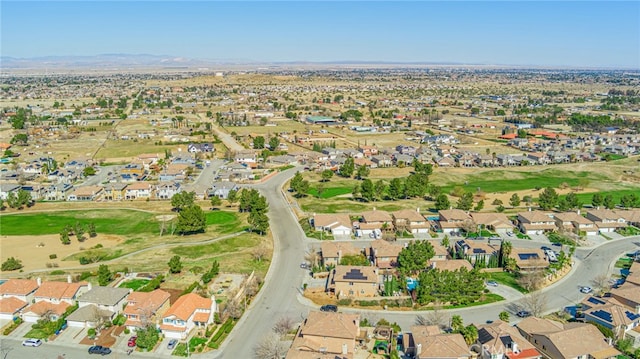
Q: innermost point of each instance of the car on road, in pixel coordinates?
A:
(492, 283)
(304, 265)
(510, 234)
(132, 341)
(99, 349)
(32, 343)
(172, 344)
(523, 314)
(329, 308)
(586, 290)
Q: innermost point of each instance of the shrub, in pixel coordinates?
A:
(53, 256)
(12, 327)
(91, 332)
(127, 331)
(11, 264)
(367, 303)
(57, 272)
(346, 301)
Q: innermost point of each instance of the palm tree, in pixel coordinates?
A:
(505, 251)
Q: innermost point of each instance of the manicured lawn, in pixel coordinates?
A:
(134, 284)
(497, 181)
(486, 299)
(225, 222)
(585, 198)
(508, 279)
(108, 221)
(337, 205)
(331, 192)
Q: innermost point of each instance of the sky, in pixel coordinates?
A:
(555, 33)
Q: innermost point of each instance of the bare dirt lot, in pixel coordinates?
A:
(33, 251)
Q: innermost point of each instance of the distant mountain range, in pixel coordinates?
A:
(132, 61)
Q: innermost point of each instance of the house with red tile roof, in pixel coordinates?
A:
(188, 312)
(52, 299)
(23, 289)
(10, 307)
(143, 308)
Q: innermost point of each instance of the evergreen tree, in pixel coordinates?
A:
(362, 172)
(597, 200)
(608, 202)
(367, 190)
(465, 202)
(104, 275)
(514, 201)
(191, 220)
(175, 264)
(442, 202)
(414, 257)
(347, 168)
(548, 199)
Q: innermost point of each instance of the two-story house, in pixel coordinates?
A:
(610, 313)
(166, 190)
(535, 222)
(574, 222)
(188, 312)
(138, 190)
(326, 335)
(384, 254)
(98, 305)
(411, 221)
(114, 191)
(428, 342)
(144, 307)
(452, 220)
(53, 298)
(606, 220)
(332, 252)
(499, 340)
(15, 295)
(354, 281)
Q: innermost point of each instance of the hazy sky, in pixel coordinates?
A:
(572, 33)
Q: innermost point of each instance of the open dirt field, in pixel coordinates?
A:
(34, 251)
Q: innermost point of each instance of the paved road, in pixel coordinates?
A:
(13, 349)
(278, 295)
(205, 178)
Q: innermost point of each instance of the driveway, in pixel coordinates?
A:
(539, 238)
(71, 336)
(21, 331)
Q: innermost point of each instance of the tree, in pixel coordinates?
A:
(326, 175)
(258, 142)
(274, 142)
(445, 242)
(11, 264)
(347, 168)
(270, 347)
(283, 326)
(504, 316)
(191, 220)
(88, 171)
(259, 252)
(362, 172)
(299, 185)
(608, 202)
(470, 334)
(528, 200)
(181, 200)
(104, 275)
(258, 221)
(535, 302)
(434, 317)
(514, 201)
(414, 257)
(378, 189)
(548, 199)
(19, 199)
(20, 139)
(572, 201)
(442, 202)
(215, 201)
(175, 264)
(354, 260)
(367, 191)
(211, 273)
(147, 337)
(630, 200)
(232, 197)
(504, 253)
(91, 228)
(457, 325)
(479, 206)
(79, 231)
(465, 202)
(597, 200)
(396, 188)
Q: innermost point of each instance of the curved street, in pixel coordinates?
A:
(281, 293)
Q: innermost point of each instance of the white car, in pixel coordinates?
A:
(586, 290)
(32, 343)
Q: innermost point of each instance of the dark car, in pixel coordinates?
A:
(329, 308)
(523, 314)
(99, 349)
(172, 344)
(545, 248)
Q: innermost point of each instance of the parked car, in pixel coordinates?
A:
(492, 283)
(132, 341)
(172, 344)
(510, 234)
(32, 343)
(545, 248)
(99, 349)
(329, 308)
(523, 314)
(586, 290)
(304, 265)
